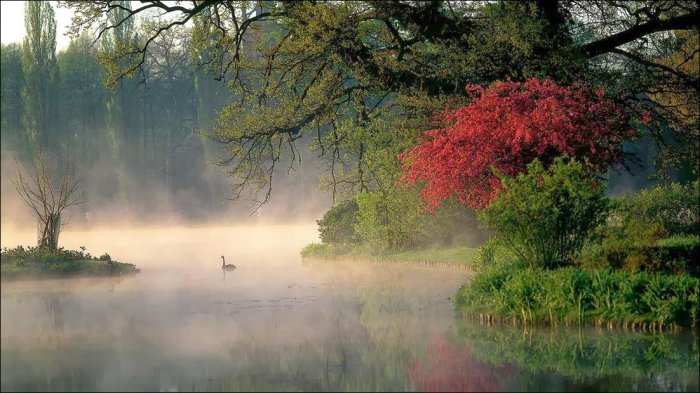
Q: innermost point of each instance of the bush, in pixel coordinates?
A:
(573, 295)
(652, 230)
(390, 220)
(545, 215)
(452, 224)
(672, 207)
(33, 262)
(19, 255)
(317, 250)
(677, 254)
(338, 224)
(492, 253)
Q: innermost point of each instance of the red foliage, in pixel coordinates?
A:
(450, 369)
(504, 128)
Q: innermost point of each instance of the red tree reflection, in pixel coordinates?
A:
(451, 369)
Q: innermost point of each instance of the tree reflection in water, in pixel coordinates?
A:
(449, 368)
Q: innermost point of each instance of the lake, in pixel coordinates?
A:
(277, 323)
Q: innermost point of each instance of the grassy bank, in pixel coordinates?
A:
(450, 255)
(575, 296)
(30, 263)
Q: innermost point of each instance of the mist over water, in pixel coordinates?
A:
(278, 323)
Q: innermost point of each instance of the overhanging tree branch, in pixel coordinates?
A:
(688, 79)
(607, 44)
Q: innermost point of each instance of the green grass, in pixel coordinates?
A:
(318, 251)
(453, 255)
(461, 255)
(64, 269)
(576, 296)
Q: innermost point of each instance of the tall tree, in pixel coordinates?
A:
(504, 128)
(171, 89)
(11, 87)
(40, 71)
(82, 98)
(120, 109)
(210, 93)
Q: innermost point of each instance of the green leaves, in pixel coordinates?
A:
(40, 72)
(654, 229)
(545, 215)
(572, 295)
(338, 224)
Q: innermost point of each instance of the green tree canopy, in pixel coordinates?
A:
(40, 71)
(11, 87)
(300, 68)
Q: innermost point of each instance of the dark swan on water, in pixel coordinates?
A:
(226, 267)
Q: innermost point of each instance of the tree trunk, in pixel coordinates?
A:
(48, 237)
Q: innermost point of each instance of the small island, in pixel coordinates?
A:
(37, 262)
(48, 186)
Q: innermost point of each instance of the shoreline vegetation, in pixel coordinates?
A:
(454, 257)
(634, 269)
(523, 296)
(30, 263)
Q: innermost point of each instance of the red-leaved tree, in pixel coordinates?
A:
(504, 128)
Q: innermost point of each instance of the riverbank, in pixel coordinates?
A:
(630, 300)
(504, 291)
(22, 263)
(456, 257)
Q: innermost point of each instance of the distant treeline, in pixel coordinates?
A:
(136, 140)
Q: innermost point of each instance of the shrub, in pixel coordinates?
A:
(452, 224)
(675, 254)
(492, 253)
(545, 215)
(338, 224)
(673, 207)
(390, 220)
(317, 250)
(653, 230)
(21, 255)
(40, 262)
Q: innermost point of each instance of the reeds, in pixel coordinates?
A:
(572, 296)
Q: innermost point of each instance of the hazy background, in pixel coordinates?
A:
(137, 144)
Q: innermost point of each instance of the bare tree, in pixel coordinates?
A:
(48, 187)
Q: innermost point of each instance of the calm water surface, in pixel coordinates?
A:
(277, 323)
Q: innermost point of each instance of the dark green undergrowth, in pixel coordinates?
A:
(452, 255)
(673, 254)
(575, 296)
(34, 262)
(637, 267)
